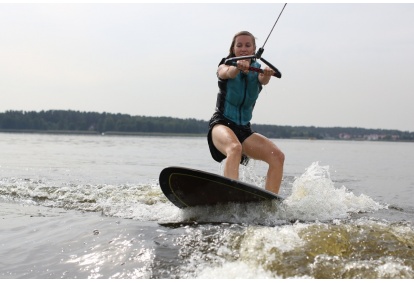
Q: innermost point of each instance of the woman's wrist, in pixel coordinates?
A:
(232, 72)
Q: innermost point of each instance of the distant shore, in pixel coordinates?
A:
(92, 123)
(95, 133)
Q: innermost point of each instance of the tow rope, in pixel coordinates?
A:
(233, 61)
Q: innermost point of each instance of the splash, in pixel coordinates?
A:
(314, 197)
(358, 249)
(144, 202)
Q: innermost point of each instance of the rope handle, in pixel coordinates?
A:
(277, 74)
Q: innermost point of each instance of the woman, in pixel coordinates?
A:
(230, 135)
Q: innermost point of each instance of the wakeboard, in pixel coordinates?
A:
(186, 187)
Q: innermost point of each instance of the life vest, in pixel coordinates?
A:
(237, 97)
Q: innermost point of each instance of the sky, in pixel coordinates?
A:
(342, 65)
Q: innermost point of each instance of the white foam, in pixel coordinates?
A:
(247, 253)
(393, 268)
(235, 270)
(314, 197)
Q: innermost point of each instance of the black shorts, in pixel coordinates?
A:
(241, 132)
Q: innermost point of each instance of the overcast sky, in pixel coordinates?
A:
(346, 65)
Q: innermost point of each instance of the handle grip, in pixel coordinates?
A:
(277, 74)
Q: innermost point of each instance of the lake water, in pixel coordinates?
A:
(76, 206)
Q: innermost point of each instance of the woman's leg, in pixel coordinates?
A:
(261, 148)
(227, 143)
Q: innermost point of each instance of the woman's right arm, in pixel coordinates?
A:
(230, 72)
(226, 72)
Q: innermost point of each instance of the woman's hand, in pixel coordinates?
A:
(264, 77)
(243, 65)
(230, 72)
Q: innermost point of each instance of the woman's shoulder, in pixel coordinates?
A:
(222, 61)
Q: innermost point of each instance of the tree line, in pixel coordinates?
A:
(109, 123)
(93, 122)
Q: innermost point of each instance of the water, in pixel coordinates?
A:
(91, 207)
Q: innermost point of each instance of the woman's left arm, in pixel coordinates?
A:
(264, 77)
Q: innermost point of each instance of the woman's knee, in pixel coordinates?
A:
(234, 149)
(277, 157)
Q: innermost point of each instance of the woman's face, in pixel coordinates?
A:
(244, 46)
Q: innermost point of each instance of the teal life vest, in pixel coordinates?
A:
(237, 97)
